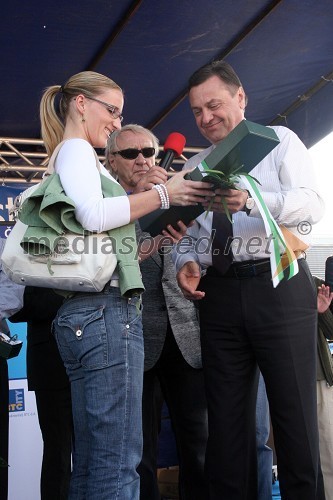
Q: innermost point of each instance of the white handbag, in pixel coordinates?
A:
(80, 263)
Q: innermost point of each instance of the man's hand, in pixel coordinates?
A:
(234, 198)
(174, 234)
(324, 298)
(167, 239)
(188, 280)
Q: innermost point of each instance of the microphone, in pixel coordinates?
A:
(173, 147)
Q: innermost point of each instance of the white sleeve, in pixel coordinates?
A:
(288, 184)
(11, 294)
(184, 251)
(76, 166)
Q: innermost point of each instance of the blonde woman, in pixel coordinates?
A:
(99, 335)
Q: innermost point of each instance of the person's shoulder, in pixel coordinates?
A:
(76, 144)
(76, 151)
(282, 132)
(289, 141)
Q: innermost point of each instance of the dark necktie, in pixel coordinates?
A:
(221, 244)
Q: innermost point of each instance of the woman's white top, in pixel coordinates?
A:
(80, 178)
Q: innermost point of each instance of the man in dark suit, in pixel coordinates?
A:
(170, 329)
(247, 322)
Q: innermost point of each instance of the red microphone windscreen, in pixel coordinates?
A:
(176, 142)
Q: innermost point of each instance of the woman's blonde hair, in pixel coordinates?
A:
(88, 83)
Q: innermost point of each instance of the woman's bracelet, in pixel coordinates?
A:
(163, 186)
(163, 194)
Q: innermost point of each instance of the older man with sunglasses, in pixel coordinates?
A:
(170, 328)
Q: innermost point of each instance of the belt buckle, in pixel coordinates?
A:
(246, 271)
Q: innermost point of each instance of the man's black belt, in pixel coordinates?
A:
(245, 269)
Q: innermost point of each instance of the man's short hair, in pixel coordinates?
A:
(222, 70)
(216, 68)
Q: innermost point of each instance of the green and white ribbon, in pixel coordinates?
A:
(273, 232)
(274, 235)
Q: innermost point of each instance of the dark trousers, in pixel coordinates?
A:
(4, 423)
(55, 420)
(244, 323)
(183, 390)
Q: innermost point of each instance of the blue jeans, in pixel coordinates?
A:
(264, 452)
(100, 341)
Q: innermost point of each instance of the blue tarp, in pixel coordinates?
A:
(281, 49)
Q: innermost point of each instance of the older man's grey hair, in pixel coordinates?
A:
(111, 145)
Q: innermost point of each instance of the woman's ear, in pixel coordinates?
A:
(80, 102)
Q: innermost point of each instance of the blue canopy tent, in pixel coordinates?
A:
(281, 49)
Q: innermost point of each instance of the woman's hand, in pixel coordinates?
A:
(186, 192)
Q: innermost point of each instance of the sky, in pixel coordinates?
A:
(322, 157)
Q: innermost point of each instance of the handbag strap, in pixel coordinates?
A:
(19, 199)
(50, 168)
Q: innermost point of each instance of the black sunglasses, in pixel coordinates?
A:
(132, 153)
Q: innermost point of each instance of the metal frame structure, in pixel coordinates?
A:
(24, 161)
(291, 87)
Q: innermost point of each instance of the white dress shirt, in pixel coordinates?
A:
(288, 187)
(11, 294)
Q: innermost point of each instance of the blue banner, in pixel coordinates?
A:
(17, 368)
(7, 197)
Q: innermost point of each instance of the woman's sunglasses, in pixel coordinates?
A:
(132, 153)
